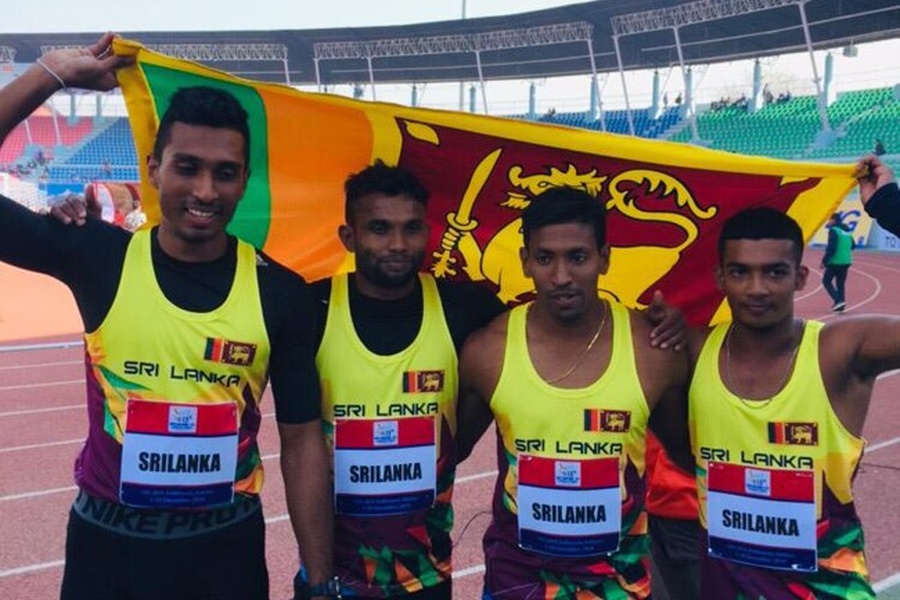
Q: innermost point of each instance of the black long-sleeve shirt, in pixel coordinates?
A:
(884, 207)
(89, 260)
(387, 327)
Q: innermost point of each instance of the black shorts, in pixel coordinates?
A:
(225, 564)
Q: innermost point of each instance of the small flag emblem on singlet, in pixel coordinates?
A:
(794, 434)
(230, 353)
(419, 382)
(614, 421)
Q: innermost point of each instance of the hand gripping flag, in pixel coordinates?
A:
(666, 201)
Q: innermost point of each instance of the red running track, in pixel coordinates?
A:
(42, 423)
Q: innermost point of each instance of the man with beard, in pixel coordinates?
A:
(387, 359)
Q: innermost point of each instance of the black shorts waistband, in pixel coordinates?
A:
(161, 523)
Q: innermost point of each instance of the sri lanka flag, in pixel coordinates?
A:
(666, 201)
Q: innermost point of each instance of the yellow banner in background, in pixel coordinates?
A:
(854, 216)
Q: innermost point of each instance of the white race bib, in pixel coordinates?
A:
(178, 455)
(384, 466)
(569, 507)
(762, 517)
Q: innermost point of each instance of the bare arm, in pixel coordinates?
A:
(669, 422)
(877, 343)
(473, 415)
(307, 485)
(91, 68)
(664, 379)
(479, 370)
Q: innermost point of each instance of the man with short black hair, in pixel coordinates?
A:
(775, 486)
(185, 325)
(573, 390)
(388, 340)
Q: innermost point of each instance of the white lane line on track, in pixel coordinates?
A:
(476, 476)
(31, 568)
(45, 346)
(880, 445)
(28, 386)
(39, 446)
(42, 365)
(28, 495)
(35, 411)
(887, 582)
(468, 571)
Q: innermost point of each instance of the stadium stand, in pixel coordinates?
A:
(617, 121)
(43, 134)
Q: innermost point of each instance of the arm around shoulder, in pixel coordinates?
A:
(665, 376)
(479, 371)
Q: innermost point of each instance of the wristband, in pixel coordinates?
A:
(329, 589)
(52, 73)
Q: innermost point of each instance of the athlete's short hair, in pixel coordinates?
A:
(561, 205)
(205, 106)
(380, 178)
(762, 224)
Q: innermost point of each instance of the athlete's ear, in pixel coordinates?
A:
(604, 258)
(719, 274)
(347, 237)
(523, 256)
(802, 275)
(153, 170)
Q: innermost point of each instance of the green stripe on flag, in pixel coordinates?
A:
(252, 219)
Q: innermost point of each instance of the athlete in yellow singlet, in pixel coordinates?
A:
(572, 395)
(776, 503)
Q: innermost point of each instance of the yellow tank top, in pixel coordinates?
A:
(569, 503)
(179, 392)
(389, 422)
(779, 474)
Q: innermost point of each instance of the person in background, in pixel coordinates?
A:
(836, 261)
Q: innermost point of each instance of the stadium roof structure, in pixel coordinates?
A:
(599, 36)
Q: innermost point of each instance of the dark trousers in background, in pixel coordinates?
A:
(674, 558)
(833, 280)
(226, 564)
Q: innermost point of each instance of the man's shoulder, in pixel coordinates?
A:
(468, 296)
(268, 267)
(491, 335)
(460, 290)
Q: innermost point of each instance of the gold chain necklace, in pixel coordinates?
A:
(730, 382)
(586, 350)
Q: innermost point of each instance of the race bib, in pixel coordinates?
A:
(569, 507)
(178, 455)
(384, 466)
(762, 517)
